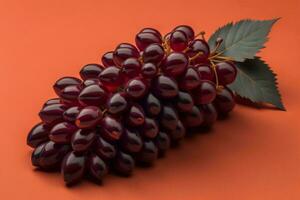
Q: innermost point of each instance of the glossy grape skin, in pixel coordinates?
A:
(175, 64)
(178, 40)
(149, 153)
(165, 87)
(178, 133)
(62, 132)
(131, 141)
(136, 88)
(51, 102)
(151, 30)
(152, 105)
(90, 71)
(36, 154)
(206, 72)
(111, 129)
(162, 142)
(210, 114)
(117, 104)
(124, 164)
(131, 68)
(187, 30)
(97, 167)
(127, 45)
(150, 128)
(73, 168)
(93, 95)
(89, 82)
(193, 118)
(71, 113)
(184, 102)
(144, 39)
(52, 155)
(82, 139)
(104, 149)
(61, 83)
(111, 77)
(190, 80)
(52, 114)
(123, 53)
(168, 117)
(226, 72)
(37, 135)
(88, 117)
(224, 101)
(205, 93)
(136, 115)
(154, 53)
(149, 70)
(69, 95)
(196, 47)
(108, 59)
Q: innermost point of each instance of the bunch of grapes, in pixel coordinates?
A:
(134, 106)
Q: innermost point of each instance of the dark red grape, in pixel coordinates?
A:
(187, 30)
(149, 70)
(117, 103)
(178, 40)
(131, 141)
(190, 80)
(52, 101)
(201, 49)
(104, 149)
(165, 87)
(175, 64)
(93, 95)
(152, 105)
(193, 118)
(82, 139)
(38, 135)
(205, 93)
(90, 71)
(71, 113)
(154, 53)
(97, 167)
(88, 117)
(178, 133)
(162, 142)
(36, 155)
(124, 164)
(184, 102)
(144, 39)
(209, 114)
(131, 68)
(150, 128)
(151, 30)
(127, 45)
(61, 83)
(206, 73)
(89, 82)
(73, 168)
(136, 88)
(62, 132)
(111, 78)
(108, 59)
(111, 129)
(52, 114)
(224, 101)
(168, 117)
(226, 72)
(121, 54)
(69, 94)
(136, 115)
(149, 153)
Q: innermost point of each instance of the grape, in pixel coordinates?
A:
(152, 105)
(190, 80)
(136, 88)
(154, 53)
(205, 93)
(62, 132)
(108, 59)
(184, 102)
(52, 114)
(61, 83)
(178, 133)
(71, 113)
(224, 101)
(150, 128)
(92, 81)
(226, 72)
(51, 102)
(151, 30)
(162, 142)
(131, 141)
(169, 117)
(36, 155)
(175, 64)
(90, 71)
(165, 87)
(178, 40)
(149, 70)
(136, 115)
(209, 114)
(187, 30)
(124, 164)
(123, 53)
(111, 128)
(117, 103)
(104, 149)
(144, 39)
(131, 68)
(149, 153)
(206, 72)
(69, 94)
(200, 49)
(127, 45)
(93, 95)
(193, 118)
(97, 167)
(82, 139)
(88, 117)
(111, 78)
(38, 135)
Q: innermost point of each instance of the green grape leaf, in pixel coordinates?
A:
(257, 82)
(242, 40)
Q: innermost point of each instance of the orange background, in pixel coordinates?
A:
(255, 154)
